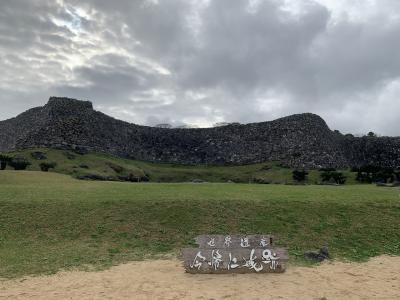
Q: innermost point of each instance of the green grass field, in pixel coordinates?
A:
(76, 165)
(50, 221)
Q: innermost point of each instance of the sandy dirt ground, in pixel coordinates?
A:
(164, 279)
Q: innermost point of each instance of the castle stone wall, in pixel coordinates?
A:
(301, 140)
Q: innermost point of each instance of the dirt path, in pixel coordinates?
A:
(164, 279)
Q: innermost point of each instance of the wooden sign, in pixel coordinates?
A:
(222, 254)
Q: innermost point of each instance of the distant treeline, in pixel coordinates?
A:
(365, 174)
(375, 174)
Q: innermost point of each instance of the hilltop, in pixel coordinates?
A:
(301, 140)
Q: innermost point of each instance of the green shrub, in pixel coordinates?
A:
(325, 176)
(45, 166)
(4, 159)
(333, 176)
(19, 163)
(384, 175)
(299, 175)
(397, 175)
(338, 177)
(370, 174)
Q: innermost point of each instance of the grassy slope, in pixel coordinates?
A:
(50, 221)
(100, 164)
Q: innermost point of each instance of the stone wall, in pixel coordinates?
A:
(302, 140)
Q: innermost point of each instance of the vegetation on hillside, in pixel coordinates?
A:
(106, 167)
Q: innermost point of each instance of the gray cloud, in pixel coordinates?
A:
(201, 62)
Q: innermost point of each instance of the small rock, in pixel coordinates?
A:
(317, 256)
(324, 251)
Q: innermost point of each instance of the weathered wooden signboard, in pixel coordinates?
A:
(234, 254)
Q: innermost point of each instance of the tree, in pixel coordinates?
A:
(370, 174)
(45, 166)
(326, 176)
(338, 177)
(397, 175)
(384, 175)
(19, 163)
(371, 134)
(299, 175)
(333, 176)
(4, 159)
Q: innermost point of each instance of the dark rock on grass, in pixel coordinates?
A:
(38, 155)
(317, 256)
(83, 166)
(324, 251)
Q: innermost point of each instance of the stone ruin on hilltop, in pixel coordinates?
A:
(301, 140)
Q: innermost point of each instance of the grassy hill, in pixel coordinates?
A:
(50, 221)
(79, 165)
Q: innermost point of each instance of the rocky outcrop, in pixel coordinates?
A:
(302, 140)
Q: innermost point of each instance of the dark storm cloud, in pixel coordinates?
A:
(248, 50)
(201, 62)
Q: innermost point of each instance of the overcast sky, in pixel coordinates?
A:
(206, 61)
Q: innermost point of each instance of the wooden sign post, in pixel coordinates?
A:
(221, 254)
